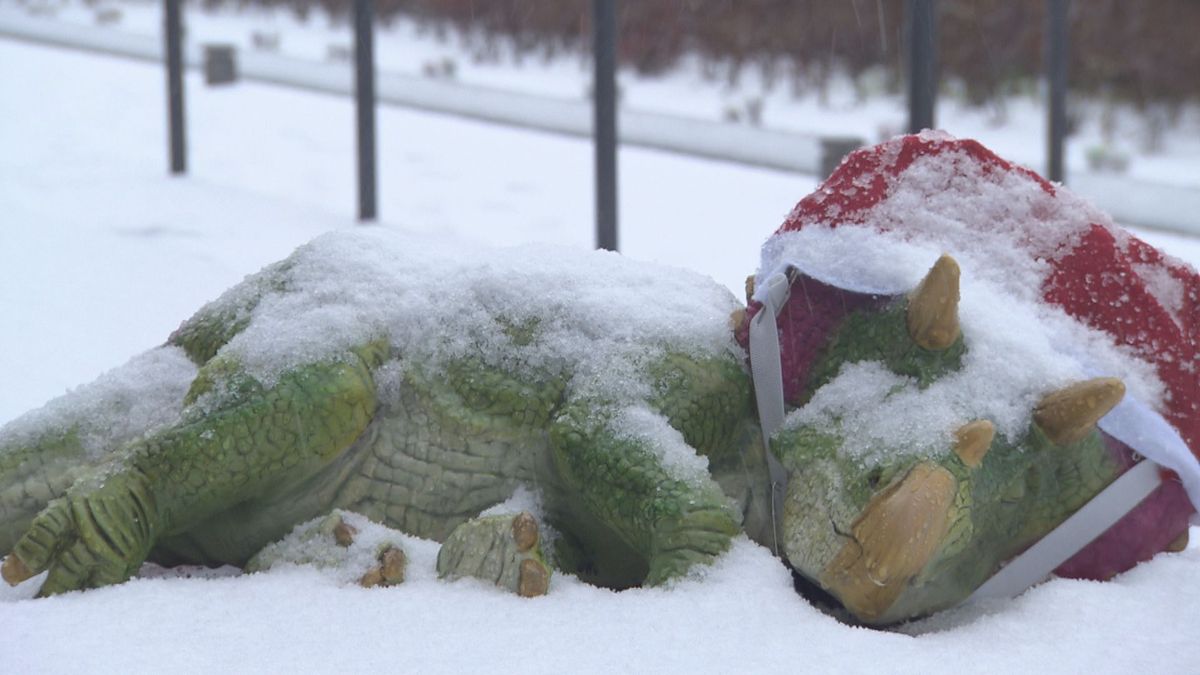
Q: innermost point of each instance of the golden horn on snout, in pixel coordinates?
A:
(894, 537)
(1067, 416)
(749, 288)
(933, 306)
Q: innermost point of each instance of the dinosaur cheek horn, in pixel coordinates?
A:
(893, 539)
(933, 306)
(973, 440)
(1067, 416)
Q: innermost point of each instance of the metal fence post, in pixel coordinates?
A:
(1056, 72)
(604, 50)
(173, 49)
(364, 95)
(921, 16)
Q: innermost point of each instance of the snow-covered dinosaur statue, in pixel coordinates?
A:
(420, 384)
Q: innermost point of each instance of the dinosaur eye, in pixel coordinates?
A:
(874, 477)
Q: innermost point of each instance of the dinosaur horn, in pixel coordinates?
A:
(1179, 544)
(973, 440)
(737, 319)
(894, 537)
(933, 306)
(1067, 415)
(749, 288)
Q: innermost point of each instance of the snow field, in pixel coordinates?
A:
(101, 256)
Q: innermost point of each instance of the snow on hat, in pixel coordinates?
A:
(957, 196)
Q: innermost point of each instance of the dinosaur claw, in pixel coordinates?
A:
(525, 531)
(343, 533)
(372, 578)
(1067, 416)
(973, 440)
(392, 564)
(534, 579)
(933, 306)
(14, 570)
(389, 571)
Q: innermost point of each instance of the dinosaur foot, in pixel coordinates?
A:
(502, 549)
(342, 544)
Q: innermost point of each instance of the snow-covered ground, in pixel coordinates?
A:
(101, 255)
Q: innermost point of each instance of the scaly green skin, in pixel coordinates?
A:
(249, 461)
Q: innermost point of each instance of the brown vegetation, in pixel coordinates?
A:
(1140, 52)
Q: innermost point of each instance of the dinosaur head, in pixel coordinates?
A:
(865, 528)
(901, 502)
(898, 515)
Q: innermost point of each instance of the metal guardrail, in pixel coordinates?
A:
(1140, 203)
(1130, 201)
(747, 145)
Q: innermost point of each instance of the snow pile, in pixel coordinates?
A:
(312, 544)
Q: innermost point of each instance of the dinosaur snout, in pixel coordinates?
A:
(892, 540)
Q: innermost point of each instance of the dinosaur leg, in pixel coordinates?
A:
(43, 452)
(502, 549)
(261, 439)
(626, 478)
(31, 474)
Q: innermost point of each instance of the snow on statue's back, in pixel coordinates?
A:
(1043, 249)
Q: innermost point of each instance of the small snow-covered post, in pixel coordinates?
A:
(220, 64)
(364, 95)
(921, 16)
(604, 54)
(173, 50)
(1056, 74)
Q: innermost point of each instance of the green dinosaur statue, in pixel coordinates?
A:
(320, 384)
(351, 376)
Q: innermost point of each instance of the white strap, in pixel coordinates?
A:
(765, 366)
(767, 372)
(1064, 541)
(1149, 433)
